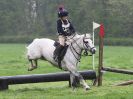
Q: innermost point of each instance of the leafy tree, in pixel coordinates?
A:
(37, 18)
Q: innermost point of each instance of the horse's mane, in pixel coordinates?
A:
(86, 35)
(78, 36)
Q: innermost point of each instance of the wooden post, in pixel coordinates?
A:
(101, 36)
(100, 61)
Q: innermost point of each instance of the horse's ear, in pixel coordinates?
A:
(85, 35)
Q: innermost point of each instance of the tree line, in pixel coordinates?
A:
(23, 20)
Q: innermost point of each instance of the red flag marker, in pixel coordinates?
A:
(101, 33)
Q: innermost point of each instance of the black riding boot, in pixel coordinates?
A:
(57, 52)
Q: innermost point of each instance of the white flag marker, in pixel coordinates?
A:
(95, 25)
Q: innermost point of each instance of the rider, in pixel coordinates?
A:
(64, 28)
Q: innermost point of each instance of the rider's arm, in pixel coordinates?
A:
(72, 28)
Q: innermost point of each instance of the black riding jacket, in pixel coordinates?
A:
(65, 28)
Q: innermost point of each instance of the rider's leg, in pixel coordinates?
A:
(60, 47)
(61, 40)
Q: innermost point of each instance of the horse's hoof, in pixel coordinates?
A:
(74, 89)
(34, 67)
(87, 88)
(30, 69)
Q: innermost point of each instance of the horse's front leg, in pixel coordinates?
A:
(33, 65)
(83, 83)
(80, 78)
(73, 81)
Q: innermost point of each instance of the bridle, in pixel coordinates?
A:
(77, 54)
(85, 43)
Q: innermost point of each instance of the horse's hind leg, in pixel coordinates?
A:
(33, 65)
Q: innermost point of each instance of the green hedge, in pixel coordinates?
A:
(21, 39)
(16, 39)
(29, 39)
(117, 41)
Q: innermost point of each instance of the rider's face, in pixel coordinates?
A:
(64, 18)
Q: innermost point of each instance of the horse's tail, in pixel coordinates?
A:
(33, 50)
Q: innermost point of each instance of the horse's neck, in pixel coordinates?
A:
(72, 39)
(76, 44)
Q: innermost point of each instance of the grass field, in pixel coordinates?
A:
(13, 62)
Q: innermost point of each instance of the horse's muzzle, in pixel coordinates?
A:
(93, 50)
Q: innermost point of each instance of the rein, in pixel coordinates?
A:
(72, 48)
(71, 37)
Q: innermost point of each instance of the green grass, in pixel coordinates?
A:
(13, 62)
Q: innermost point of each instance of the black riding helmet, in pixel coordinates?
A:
(62, 12)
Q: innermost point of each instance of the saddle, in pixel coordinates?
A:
(61, 53)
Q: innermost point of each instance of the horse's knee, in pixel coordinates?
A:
(74, 84)
(75, 81)
(80, 77)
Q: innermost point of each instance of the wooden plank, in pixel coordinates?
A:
(123, 71)
(125, 83)
(37, 78)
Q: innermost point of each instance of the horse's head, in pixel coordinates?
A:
(88, 44)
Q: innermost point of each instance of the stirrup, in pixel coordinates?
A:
(55, 58)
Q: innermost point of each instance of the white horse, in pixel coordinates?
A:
(44, 48)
